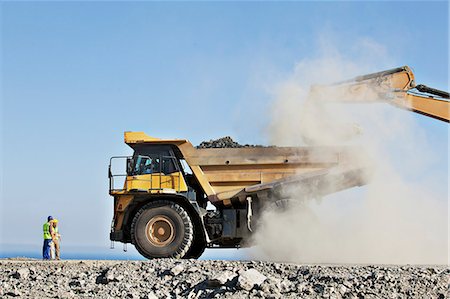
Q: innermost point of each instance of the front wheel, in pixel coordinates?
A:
(162, 229)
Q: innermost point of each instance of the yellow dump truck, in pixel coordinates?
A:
(161, 204)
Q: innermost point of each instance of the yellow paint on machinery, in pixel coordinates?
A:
(396, 87)
(121, 203)
(156, 183)
(224, 172)
(240, 181)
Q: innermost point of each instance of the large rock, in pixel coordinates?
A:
(177, 269)
(249, 279)
(151, 295)
(22, 273)
(109, 276)
(221, 278)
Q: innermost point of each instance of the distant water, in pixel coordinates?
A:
(119, 254)
(75, 256)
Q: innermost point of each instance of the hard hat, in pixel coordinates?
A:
(49, 218)
(55, 220)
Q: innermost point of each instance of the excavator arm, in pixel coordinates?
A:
(424, 101)
(396, 86)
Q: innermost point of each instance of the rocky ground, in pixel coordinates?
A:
(216, 279)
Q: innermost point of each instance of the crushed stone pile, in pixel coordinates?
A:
(224, 142)
(167, 278)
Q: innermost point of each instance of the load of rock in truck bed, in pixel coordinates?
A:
(225, 142)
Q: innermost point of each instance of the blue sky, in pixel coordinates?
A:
(75, 75)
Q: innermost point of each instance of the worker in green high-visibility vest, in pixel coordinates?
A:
(47, 239)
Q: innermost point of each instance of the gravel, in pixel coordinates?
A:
(224, 142)
(167, 278)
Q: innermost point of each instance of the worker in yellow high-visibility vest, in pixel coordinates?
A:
(56, 237)
(47, 239)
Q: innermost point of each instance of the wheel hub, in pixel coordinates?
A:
(160, 231)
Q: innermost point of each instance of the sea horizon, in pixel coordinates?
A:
(34, 251)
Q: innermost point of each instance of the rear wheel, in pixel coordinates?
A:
(162, 229)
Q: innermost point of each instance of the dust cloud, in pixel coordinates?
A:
(400, 217)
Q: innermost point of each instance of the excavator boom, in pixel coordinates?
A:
(396, 86)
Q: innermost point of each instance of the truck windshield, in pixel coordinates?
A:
(149, 165)
(145, 165)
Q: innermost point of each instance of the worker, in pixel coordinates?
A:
(47, 239)
(52, 243)
(56, 237)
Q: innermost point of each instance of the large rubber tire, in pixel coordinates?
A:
(174, 218)
(197, 247)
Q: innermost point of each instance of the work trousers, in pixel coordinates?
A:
(46, 249)
(57, 249)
